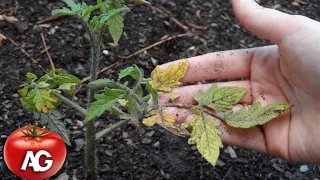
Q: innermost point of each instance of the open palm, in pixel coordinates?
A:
(286, 72)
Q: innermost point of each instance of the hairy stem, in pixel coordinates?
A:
(75, 105)
(90, 133)
(111, 129)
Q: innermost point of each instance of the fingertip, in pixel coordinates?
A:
(266, 23)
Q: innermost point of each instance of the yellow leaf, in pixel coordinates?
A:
(206, 136)
(174, 96)
(170, 78)
(123, 102)
(168, 119)
(168, 123)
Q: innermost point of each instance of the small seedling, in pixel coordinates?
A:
(134, 98)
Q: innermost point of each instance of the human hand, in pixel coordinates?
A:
(286, 72)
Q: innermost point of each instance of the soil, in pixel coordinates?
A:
(131, 153)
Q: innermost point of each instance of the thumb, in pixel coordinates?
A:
(266, 23)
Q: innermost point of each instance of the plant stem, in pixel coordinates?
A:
(186, 106)
(111, 129)
(90, 133)
(75, 105)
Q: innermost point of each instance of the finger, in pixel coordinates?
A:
(251, 138)
(186, 92)
(266, 23)
(218, 65)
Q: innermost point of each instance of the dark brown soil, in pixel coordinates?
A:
(130, 153)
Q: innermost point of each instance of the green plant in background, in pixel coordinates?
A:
(134, 98)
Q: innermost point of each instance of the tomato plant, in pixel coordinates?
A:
(132, 97)
(23, 146)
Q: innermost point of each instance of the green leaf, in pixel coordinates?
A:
(23, 92)
(114, 93)
(153, 93)
(205, 135)
(103, 102)
(101, 6)
(43, 85)
(115, 25)
(220, 99)
(255, 115)
(86, 12)
(100, 82)
(69, 88)
(52, 121)
(64, 11)
(74, 7)
(129, 71)
(139, 91)
(95, 24)
(31, 77)
(97, 108)
(56, 78)
(27, 103)
(114, 4)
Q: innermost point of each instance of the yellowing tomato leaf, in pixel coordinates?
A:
(168, 119)
(255, 115)
(220, 99)
(169, 78)
(168, 123)
(31, 77)
(205, 135)
(123, 102)
(174, 96)
(42, 99)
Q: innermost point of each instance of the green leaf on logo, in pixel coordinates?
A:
(52, 121)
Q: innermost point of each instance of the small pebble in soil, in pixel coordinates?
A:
(63, 176)
(4, 136)
(105, 52)
(157, 144)
(125, 135)
(146, 141)
(304, 168)
(108, 152)
(1, 163)
(150, 134)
